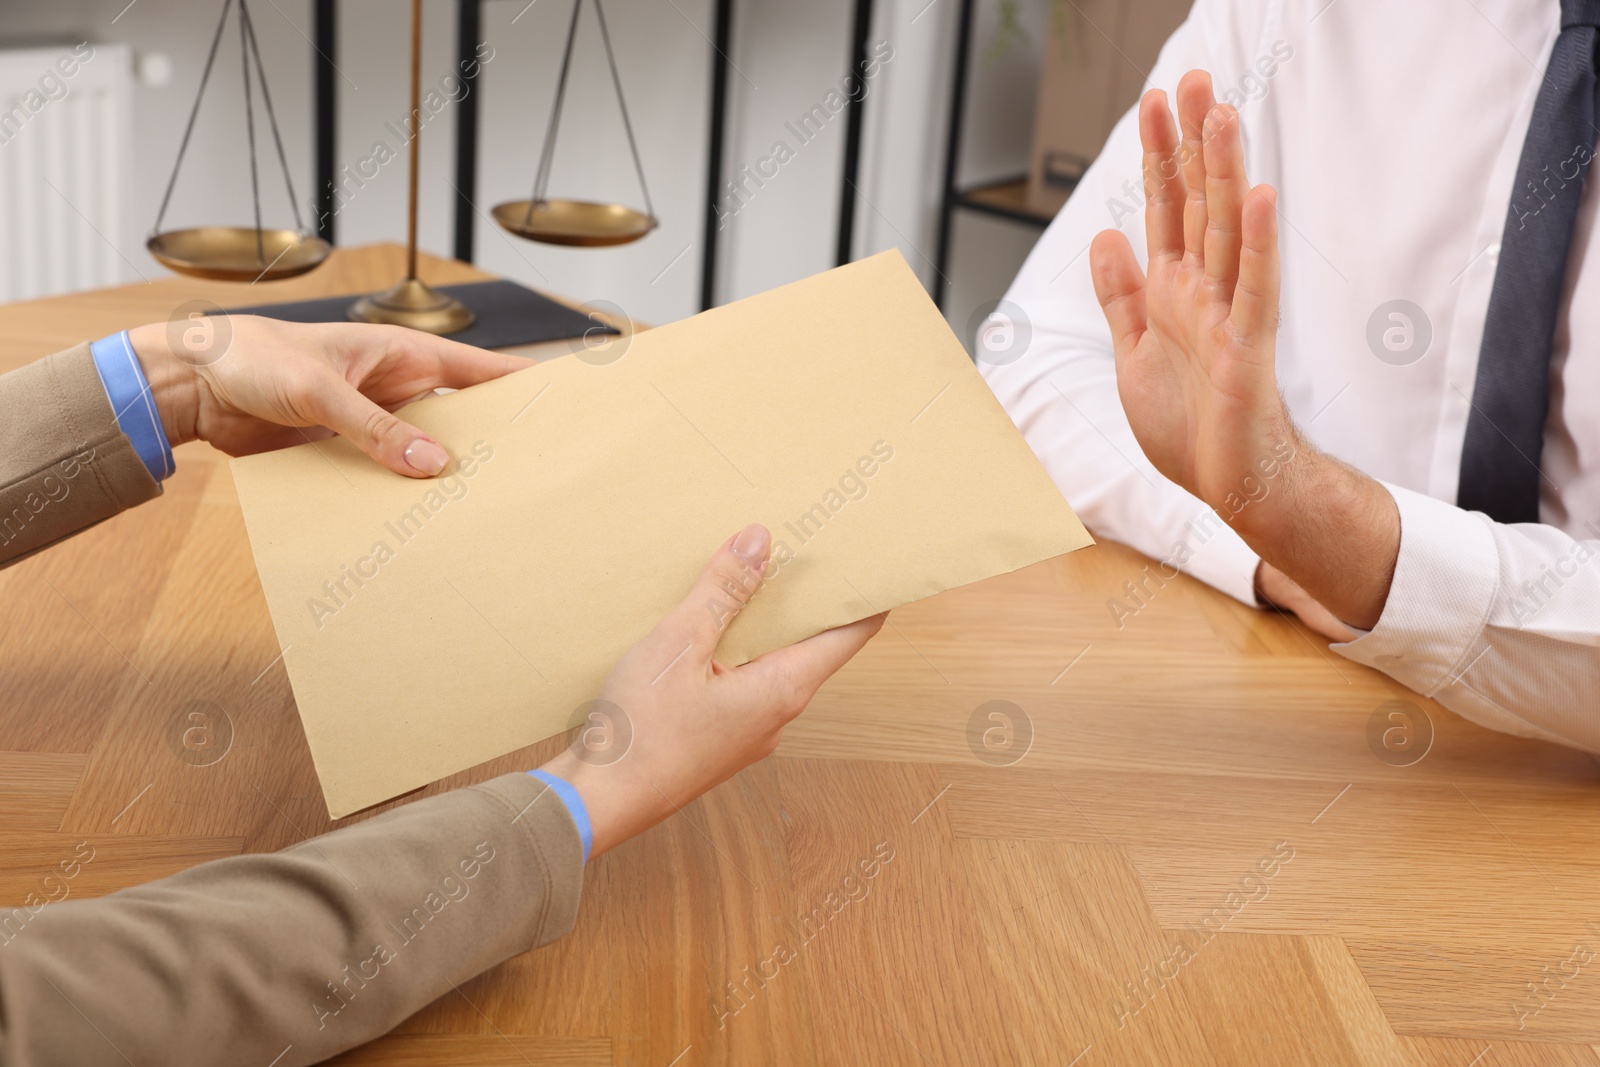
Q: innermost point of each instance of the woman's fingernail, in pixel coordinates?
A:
(751, 546)
(426, 457)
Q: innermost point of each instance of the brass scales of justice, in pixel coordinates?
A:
(255, 253)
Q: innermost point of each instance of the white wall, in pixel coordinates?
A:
(215, 182)
(788, 57)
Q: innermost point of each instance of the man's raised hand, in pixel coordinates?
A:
(1195, 338)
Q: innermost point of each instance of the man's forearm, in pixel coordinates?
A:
(1331, 529)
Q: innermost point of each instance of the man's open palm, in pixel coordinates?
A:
(1195, 340)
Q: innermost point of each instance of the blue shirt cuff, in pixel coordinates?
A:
(133, 403)
(569, 796)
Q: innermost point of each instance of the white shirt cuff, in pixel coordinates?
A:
(1444, 585)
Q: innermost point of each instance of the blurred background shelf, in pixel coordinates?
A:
(1004, 200)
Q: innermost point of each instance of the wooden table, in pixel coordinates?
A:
(1207, 854)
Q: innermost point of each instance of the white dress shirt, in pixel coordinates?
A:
(1392, 133)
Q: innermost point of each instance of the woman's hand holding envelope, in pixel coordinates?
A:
(248, 384)
(691, 722)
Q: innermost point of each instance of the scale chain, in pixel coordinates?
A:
(547, 154)
(249, 49)
(627, 124)
(542, 175)
(183, 146)
(272, 118)
(250, 123)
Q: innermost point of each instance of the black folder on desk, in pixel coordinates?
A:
(507, 314)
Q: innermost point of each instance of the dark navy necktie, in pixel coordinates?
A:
(1505, 431)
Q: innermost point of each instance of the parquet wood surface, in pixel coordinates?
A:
(1103, 899)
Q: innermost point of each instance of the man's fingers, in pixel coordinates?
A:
(1325, 622)
(1278, 590)
(724, 587)
(335, 403)
(791, 676)
(1255, 299)
(1194, 101)
(1163, 184)
(1225, 192)
(1119, 286)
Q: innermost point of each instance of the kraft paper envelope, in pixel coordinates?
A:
(428, 626)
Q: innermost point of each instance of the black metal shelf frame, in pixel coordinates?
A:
(953, 196)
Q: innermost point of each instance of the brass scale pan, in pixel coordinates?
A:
(238, 253)
(582, 223)
(230, 253)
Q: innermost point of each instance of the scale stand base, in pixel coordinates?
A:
(413, 304)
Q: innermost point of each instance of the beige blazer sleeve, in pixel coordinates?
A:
(290, 957)
(283, 958)
(64, 463)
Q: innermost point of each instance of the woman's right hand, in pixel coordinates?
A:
(693, 723)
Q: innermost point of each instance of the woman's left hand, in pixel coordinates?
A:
(250, 384)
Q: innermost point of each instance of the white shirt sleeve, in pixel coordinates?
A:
(1054, 372)
(1499, 623)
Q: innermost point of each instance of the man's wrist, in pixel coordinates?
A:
(1310, 484)
(173, 382)
(1264, 494)
(1330, 529)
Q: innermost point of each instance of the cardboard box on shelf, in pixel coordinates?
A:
(1095, 60)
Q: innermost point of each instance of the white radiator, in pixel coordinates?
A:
(65, 166)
